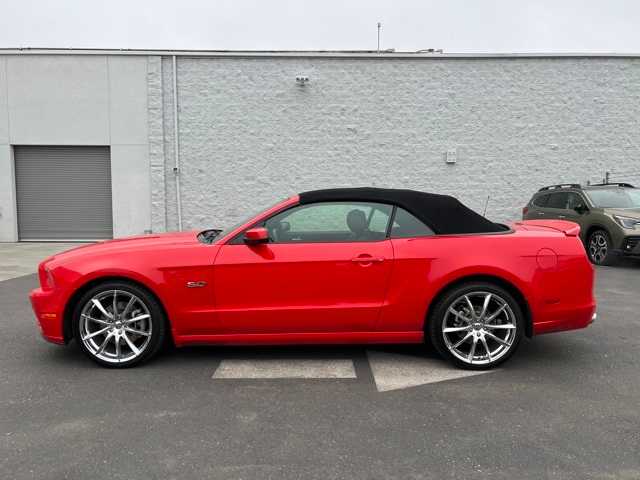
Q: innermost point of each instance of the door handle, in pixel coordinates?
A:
(367, 259)
(562, 216)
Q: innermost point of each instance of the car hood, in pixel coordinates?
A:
(129, 243)
(624, 212)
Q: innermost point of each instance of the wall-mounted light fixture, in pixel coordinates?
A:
(302, 80)
(451, 156)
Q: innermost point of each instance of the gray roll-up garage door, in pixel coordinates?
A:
(63, 193)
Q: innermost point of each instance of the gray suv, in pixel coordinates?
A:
(608, 215)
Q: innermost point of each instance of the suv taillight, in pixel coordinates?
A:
(525, 210)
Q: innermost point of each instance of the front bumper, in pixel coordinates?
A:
(631, 246)
(49, 310)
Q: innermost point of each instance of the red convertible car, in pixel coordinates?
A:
(360, 265)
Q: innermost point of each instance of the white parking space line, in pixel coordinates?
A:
(285, 368)
(396, 371)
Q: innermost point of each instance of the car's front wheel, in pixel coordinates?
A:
(599, 248)
(476, 326)
(118, 324)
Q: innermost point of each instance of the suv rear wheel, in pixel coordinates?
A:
(599, 247)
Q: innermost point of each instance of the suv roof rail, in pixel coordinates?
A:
(614, 184)
(563, 185)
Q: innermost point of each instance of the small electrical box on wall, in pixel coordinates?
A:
(451, 156)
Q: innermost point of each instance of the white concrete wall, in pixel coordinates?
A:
(79, 100)
(131, 201)
(4, 114)
(130, 177)
(250, 136)
(58, 100)
(8, 221)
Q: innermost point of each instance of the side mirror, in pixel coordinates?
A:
(257, 235)
(580, 209)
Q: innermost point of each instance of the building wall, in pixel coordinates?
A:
(250, 136)
(8, 220)
(78, 100)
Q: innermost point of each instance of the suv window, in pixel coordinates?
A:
(330, 222)
(542, 200)
(558, 200)
(615, 197)
(406, 225)
(575, 200)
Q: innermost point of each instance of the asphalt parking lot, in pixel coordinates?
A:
(565, 406)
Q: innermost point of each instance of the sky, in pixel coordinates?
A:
(494, 26)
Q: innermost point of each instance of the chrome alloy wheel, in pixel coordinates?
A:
(479, 328)
(115, 326)
(598, 247)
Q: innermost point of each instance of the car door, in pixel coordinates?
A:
(325, 268)
(576, 208)
(556, 207)
(537, 207)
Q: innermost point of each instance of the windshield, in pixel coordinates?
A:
(615, 197)
(208, 236)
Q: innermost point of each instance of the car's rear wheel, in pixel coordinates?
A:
(599, 248)
(118, 324)
(476, 326)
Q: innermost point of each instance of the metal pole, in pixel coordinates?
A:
(379, 25)
(486, 204)
(176, 142)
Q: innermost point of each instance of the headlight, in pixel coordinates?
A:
(627, 222)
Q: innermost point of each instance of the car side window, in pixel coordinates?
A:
(406, 225)
(330, 222)
(558, 200)
(541, 201)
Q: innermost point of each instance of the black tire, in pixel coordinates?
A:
(145, 305)
(599, 241)
(479, 330)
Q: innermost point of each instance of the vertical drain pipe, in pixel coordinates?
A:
(176, 142)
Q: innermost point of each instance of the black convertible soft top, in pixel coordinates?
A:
(444, 214)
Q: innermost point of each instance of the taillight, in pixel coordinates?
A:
(525, 210)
